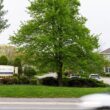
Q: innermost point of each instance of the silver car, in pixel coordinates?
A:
(95, 102)
(95, 76)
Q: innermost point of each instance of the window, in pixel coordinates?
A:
(107, 69)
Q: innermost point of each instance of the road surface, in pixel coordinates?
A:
(38, 104)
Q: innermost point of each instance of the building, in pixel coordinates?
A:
(106, 54)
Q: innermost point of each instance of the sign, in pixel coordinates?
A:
(5, 69)
(16, 70)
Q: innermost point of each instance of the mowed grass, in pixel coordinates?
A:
(25, 91)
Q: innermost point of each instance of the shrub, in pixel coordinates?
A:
(9, 80)
(75, 82)
(83, 82)
(29, 72)
(105, 75)
(5, 80)
(15, 80)
(33, 81)
(50, 81)
(65, 81)
(23, 80)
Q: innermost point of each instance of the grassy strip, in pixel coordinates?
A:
(46, 92)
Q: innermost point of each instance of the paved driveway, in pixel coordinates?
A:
(106, 80)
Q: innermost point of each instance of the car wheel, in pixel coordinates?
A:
(103, 108)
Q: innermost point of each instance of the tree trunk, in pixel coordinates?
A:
(59, 73)
(59, 79)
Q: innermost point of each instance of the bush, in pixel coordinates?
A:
(15, 80)
(83, 82)
(23, 80)
(65, 81)
(75, 82)
(33, 81)
(8, 80)
(29, 72)
(50, 81)
(105, 75)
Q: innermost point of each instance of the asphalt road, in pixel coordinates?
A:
(38, 104)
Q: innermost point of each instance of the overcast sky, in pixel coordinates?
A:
(96, 11)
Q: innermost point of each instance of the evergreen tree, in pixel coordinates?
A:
(17, 63)
(3, 60)
(3, 22)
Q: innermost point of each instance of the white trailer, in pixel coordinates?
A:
(7, 70)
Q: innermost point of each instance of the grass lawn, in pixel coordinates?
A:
(46, 92)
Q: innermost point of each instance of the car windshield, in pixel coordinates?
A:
(94, 76)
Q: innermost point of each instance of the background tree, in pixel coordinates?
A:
(3, 60)
(9, 51)
(17, 63)
(56, 38)
(3, 22)
(93, 64)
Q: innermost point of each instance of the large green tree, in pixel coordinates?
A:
(56, 37)
(3, 22)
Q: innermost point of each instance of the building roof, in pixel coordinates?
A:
(107, 51)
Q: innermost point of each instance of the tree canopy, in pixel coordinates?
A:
(56, 38)
(3, 60)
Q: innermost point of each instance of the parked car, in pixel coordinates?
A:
(74, 76)
(95, 76)
(100, 101)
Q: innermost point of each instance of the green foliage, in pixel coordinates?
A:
(56, 38)
(18, 80)
(15, 80)
(73, 82)
(3, 22)
(33, 81)
(83, 82)
(3, 60)
(29, 72)
(105, 75)
(9, 80)
(50, 81)
(23, 80)
(17, 63)
(93, 64)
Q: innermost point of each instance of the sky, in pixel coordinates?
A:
(16, 14)
(96, 12)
